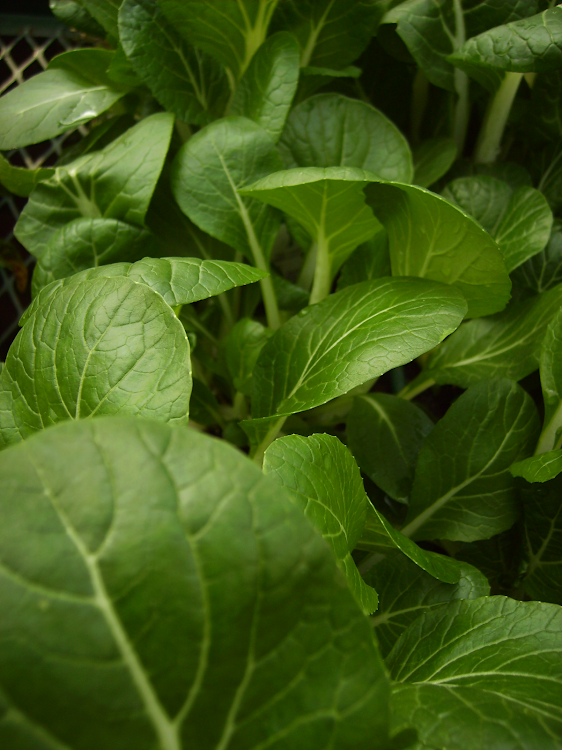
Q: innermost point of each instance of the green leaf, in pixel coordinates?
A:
(546, 106)
(431, 238)
(203, 405)
(57, 100)
(330, 130)
(542, 515)
(331, 34)
(541, 468)
(207, 174)
(115, 183)
(229, 32)
(21, 181)
(352, 336)
(369, 261)
(463, 489)
(330, 205)
(266, 90)
(320, 475)
(385, 434)
(551, 382)
(105, 12)
(121, 70)
(433, 159)
(406, 592)
(99, 346)
(133, 600)
(74, 15)
(530, 45)
(498, 558)
(89, 243)
(241, 349)
(184, 81)
(519, 220)
(180, 281)
(488, 674)
(506, 345)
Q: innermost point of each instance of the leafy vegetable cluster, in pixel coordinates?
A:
(247, 245)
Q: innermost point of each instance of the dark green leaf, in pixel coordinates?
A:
(370, 261)
(132, 600)
(498, 558)
(546, 105)
(463, 489)
(551, 382)
(433, 159)
(105, 12)
(203, 405)
(74, 15)
(21, 181)
(241, 349)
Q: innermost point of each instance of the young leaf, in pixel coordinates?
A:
(407, 592)
(503, 346)
(542, 515)
(187, 83)
(55, 101)
(115, 183)
(321, 476)
(89, 243)
(330, 205)
(241, 349)
(330, 130)
(519, 220)
(463, 489)
(99, 346)
(488, 674)
(551, 382)
(385, 434)
(369, 261)
(431, 238)
(541, 468)
(206, 176)
(433, 159)
(229, 32)
(120, 566)
(266, 90)
(352, 336)
(21, 181)
(544, 270)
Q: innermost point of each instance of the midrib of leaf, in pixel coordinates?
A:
(548, 440)
(73, 93)
(313, 37)
(255, 35)
(201, 98)
(164, 728)
(386, 419)
(43, 735)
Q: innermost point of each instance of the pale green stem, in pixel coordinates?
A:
(409, 392)
(322, 274)
(306, 275)
(239, 407)
(272, 433)
(548, 440)
(495, 120)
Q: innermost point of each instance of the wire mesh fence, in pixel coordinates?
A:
(23, 54)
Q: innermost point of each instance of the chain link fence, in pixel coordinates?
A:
(24, 52)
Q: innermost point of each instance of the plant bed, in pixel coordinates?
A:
(281, 432)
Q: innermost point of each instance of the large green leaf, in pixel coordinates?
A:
(498, 558)
(506, 345)
(406, 592)
(431, 238)
(385, 434)
(321, 476)
(114, 183)
(99, 346)
(180, 281)
(105, 12)
(88, 243)
(463, 489)
(207, 174)
(370, 261)
(542, 516)
(60, 99)
(519, 220)
(330, 205)
(182, 79)
(480, 674)
(330, 130)
(21, 181)
(158, 592)
(352, 336)
(331, 34)
(433, 159)
(266, 91)
(551, 382)
(231, 32)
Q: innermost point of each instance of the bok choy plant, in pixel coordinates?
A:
(281, 430)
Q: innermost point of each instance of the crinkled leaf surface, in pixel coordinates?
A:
(551, 382)
(406, 592)
(99, 346)
(463, 489)
(385, 434)
(331, 130)
(433, 159)
(114, 183)
(266, 90)
(481, 673)
(350, 337)
(143, 621)
(541, 468)
(321, 476)
(506, 345)
(185, 81)
(431, 238)
(21, 181)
